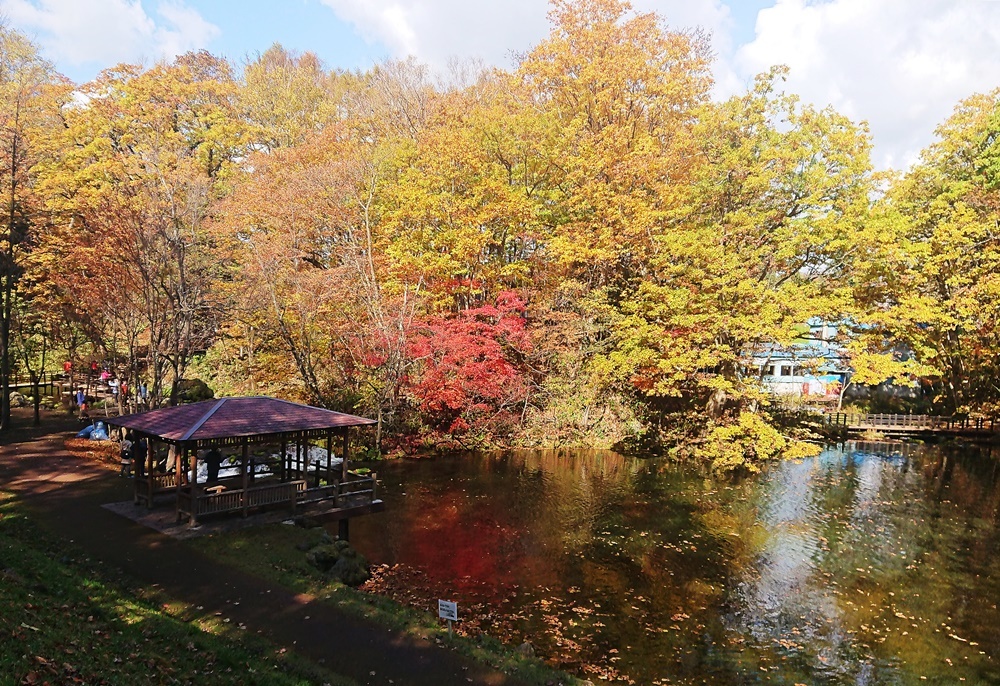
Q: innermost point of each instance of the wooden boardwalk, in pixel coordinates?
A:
(914, 424)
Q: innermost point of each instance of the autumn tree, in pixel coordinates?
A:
(941, 219)
(29, 102)
(620, 92)
(146, 154)
(468, 377)
(306, 231)
(764, 241)
(285, 97)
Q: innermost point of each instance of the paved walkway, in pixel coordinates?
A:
(66, 495)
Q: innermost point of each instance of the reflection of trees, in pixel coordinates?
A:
(814, 570)
(859, 551)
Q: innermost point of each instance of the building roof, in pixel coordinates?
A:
(212, 420)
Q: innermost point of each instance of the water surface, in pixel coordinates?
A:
(869, 564)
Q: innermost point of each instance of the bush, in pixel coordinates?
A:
(193, 391)
(748, 442)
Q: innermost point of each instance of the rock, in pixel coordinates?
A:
(525, 650)
(323, 557)
(340, 561)
(351, 568)
(17, 400)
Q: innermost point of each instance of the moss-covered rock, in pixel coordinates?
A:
(351, 568)
(340, 561)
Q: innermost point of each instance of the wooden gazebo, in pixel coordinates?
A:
(289, 476)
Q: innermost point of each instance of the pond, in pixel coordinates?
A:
(868, 564)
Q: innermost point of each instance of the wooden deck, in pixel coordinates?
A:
(914, 424)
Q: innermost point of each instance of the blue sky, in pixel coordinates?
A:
(251, 26)
(899, 65)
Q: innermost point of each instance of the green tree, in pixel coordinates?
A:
(765, 239)
(942, 299)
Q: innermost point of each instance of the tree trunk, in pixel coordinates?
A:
(37, 395)
(716, 404)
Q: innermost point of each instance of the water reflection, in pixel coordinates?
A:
(869, 564)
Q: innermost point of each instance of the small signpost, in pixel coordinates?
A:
(448, 610)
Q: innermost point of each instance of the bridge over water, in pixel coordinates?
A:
(915, 424)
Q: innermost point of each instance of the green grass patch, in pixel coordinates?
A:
(65, 619)
(277, 553)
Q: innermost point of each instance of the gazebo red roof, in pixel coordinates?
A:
(235, 418)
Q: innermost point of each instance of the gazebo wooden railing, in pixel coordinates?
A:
(211, 501)
(148, 486)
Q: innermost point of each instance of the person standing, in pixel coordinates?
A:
(127, 454)
(213, 460)
(139, 450)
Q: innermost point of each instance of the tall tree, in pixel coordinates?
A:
(286, 97)
(941, 299)
(764, 241)
(146, 154)
(28, 104)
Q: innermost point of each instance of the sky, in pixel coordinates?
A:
(899, 65)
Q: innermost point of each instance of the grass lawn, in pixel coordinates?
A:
(274, 552)
(65, 619)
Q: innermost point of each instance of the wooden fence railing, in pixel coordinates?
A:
(220, 500)
(912, 422)
(357, 490)
(147, 487)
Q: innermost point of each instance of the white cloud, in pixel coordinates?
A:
(902, 65)
(79, 32)
(434, 31)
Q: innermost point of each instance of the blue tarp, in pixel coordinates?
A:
(95, 432)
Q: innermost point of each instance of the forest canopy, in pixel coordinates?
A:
(583, 249)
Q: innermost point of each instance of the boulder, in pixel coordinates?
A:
(339, 561)
(351, 569)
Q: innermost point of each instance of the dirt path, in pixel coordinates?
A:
(66, 495)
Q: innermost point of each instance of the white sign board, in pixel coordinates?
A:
(448, 610)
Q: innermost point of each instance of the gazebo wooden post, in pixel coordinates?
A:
(347, 450)
(329, 458)
(246, 458)
(195, 492)
(149, 472)
(284, 458)
(343, 480)
(303, 458)
(135, 472)
(297, 469)
(180, 476)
